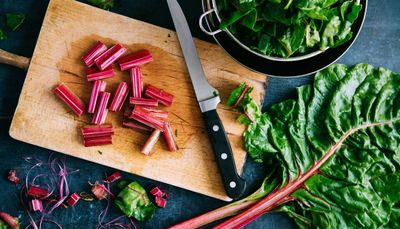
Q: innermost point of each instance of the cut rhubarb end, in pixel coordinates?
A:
(36, 205)
(73, 199)
(119, 97)
(169, 137)
(142, 116)
(70, 99)
(156, 191)
(93, 74)
(135, 59)
(159, 95)
(95, 51)
(99, 190)
(109, 56)
(160, 202)
(37, 192)
(12, 176)
(150, 143)
(136, 82)
(143, 102)
(97, 141)
(113, 177)
(98, 87)
(101, 113)
(94, 131)
(136, 126)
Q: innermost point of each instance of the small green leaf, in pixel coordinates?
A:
(235, 94)
(3, 225)
(3, 35)
(103, 4)
(14, 20)
(134, 202)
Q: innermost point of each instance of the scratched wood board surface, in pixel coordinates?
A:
(68, 30)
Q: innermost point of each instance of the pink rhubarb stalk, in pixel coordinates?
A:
(69, 98)
(140, 115)
(119, 97)
(9, 220)
(159, 95)
(160, 202)
(143, 102)
(169, 137)
(136, 82)
(136, 126)
(98, 87)
(37, 192)
(94, 131)
(97, 141)
(153, 112)
(101, 113)
(150, 143)
(113, 177)
(93, 74)
(95, 51)
(135, 59)
(156, 191)
(36, 205)
(109, 56)
(73, 199)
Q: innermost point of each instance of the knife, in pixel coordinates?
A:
(208, 99)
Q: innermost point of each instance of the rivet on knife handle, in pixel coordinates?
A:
(233, 183)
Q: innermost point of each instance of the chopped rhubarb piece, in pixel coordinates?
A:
(151, 141)
(143, 116)
(143, 102)
(95, 51)
(159, 95)
(136, 126)
(136, 82)
(73, 199)
(97, 141)
(11, 221)
(101, 113)
(94, 131)
(99, 190)
(119, 97)
(69, 98)
(12, 176)
(113, 177)
(93, 74)
(156, 191)
(152, 112)
(161, 202)
(37, 192)
(98, 87)
(169, 137)
(135, 59)
(109, 56)
(36, 205)
(128, 112)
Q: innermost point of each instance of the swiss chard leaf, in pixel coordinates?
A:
(337, 150)
(3, 225)
(103, 4)
(3, 35)
(134, 202)
(14, 20)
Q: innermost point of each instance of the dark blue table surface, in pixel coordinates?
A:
(378, 44)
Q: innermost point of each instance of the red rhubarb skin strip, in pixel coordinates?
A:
(93, 74)
(95, 51)
(136, 59)
(98, 86)
(97, 141)
(169, 137)
(119, 97)
(101, 113)
(143, 102)
(109, 56)
(136, 82)
(150, 143)
(97, 130)
(69, 98)
(160, 95)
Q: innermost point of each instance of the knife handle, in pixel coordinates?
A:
(233, 183)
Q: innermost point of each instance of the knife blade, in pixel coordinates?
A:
(208, 99)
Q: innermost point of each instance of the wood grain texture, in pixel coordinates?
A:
(68, 30)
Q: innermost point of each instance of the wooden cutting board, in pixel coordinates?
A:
(68, 30)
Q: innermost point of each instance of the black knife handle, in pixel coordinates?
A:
(233, 183)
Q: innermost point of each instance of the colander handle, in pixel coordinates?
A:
(201, 24)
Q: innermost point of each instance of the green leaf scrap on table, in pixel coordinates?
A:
(334, 151)
(289, 27)
(103, 4)
(14, 20)
(3, 35)
(3, 225)
(134, 202)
